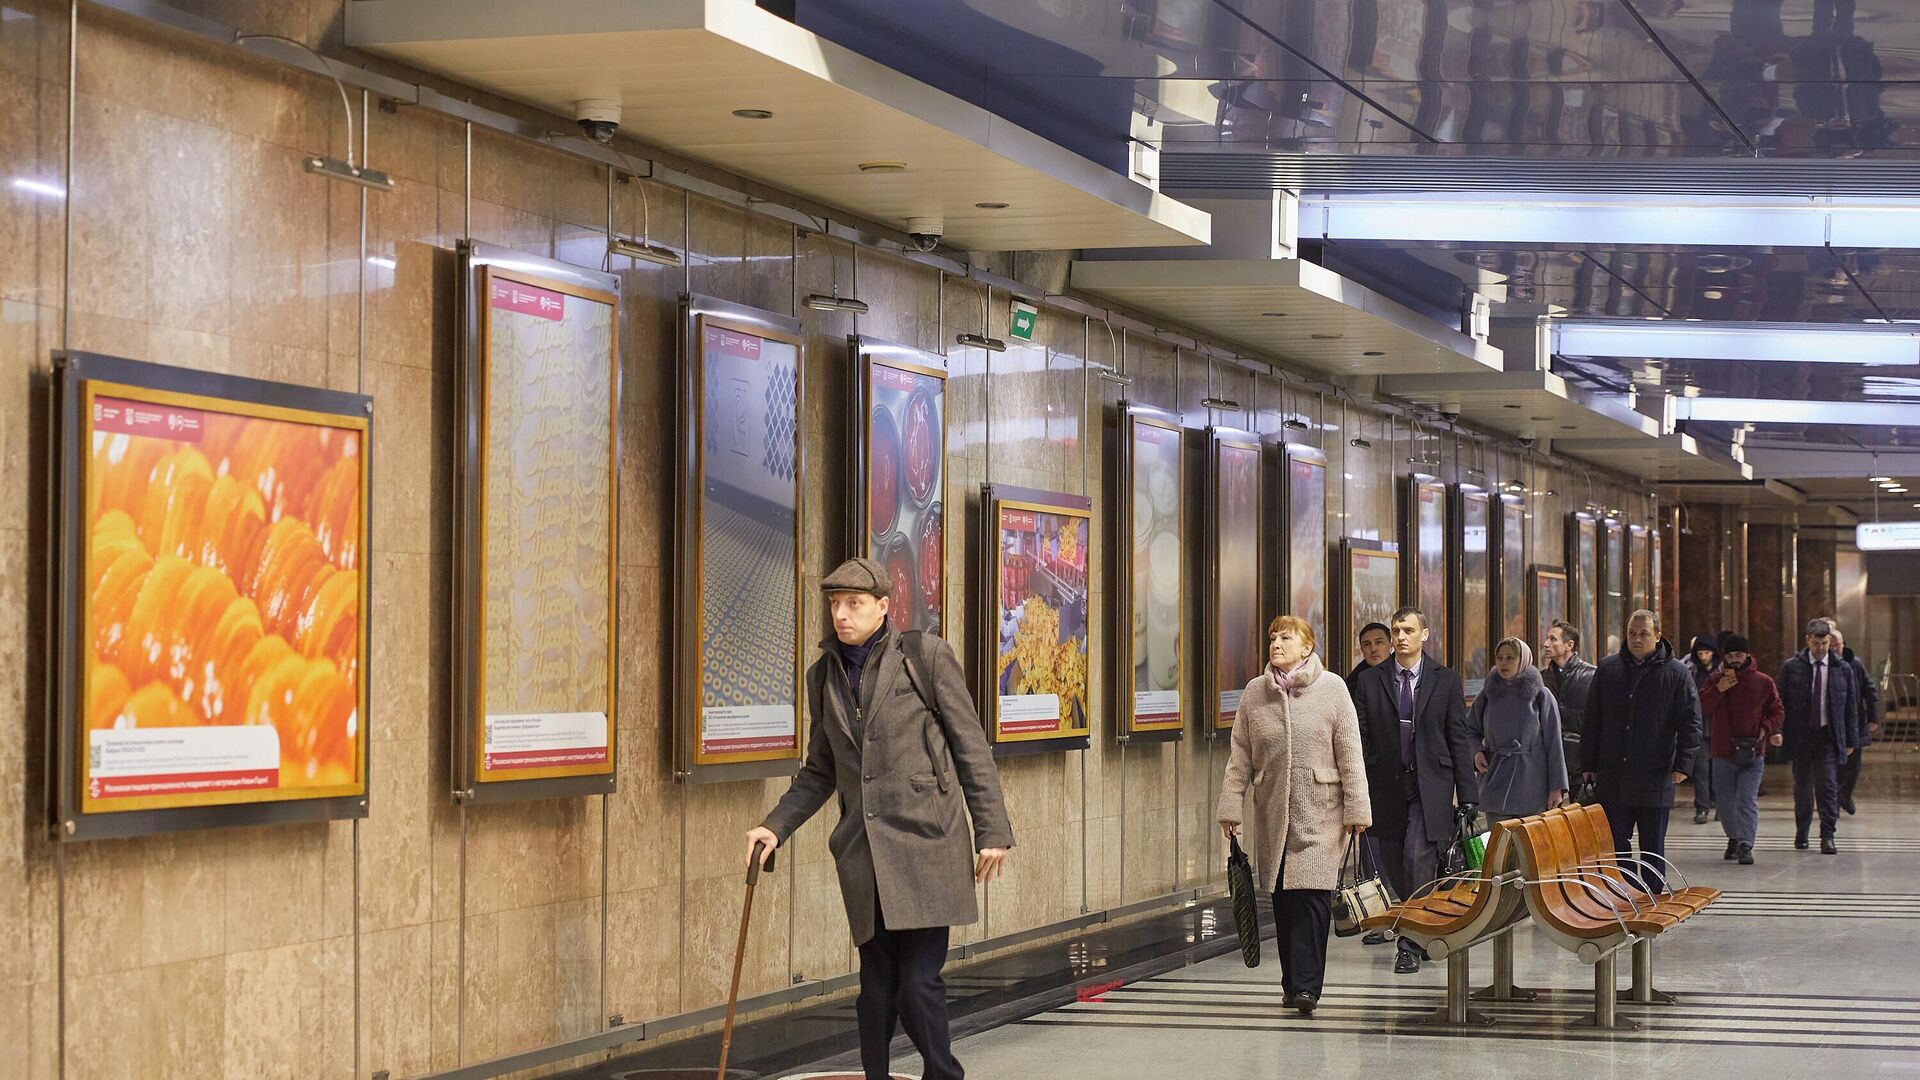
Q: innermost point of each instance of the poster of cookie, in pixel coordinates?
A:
(1156, 556)
(1039, 669)
(905, 480)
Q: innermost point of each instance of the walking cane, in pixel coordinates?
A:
(739, 955)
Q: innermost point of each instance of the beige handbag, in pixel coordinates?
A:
(1361, 894)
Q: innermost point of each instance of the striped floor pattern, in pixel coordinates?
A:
(1794, 1021)
(1870, 845)
(1817, 905)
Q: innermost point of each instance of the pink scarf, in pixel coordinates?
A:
(1292, 683)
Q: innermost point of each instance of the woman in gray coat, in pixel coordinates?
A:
(1296, 745)
(1515, 723)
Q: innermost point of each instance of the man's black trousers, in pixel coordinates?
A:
(900, 983)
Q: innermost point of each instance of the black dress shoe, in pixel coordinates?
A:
(1375, 937)
(1828, 847)
(1733, 848)
(1846, 803)
(1746, 854)
(1700, 817)
(1289, 1000)
(1406, 963)
(1800, 843)
(1305, 1003)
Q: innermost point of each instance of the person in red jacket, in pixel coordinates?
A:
(1745, 715)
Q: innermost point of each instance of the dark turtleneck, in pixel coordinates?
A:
(854, 657)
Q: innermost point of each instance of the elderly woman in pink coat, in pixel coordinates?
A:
(1296, 743)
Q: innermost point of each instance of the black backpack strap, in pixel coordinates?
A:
(912, 651)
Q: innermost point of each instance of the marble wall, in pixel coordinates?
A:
(428, 935)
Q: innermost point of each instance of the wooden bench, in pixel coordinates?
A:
(1462, 912)
(1594, 901)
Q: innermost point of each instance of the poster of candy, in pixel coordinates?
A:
(1038, 625)
(1372, 590)
(1151, 473)
(738, 647)
(1239, 642)
(1583, 539)
(1473, 646)
(1306, 594)
(1613, 574)
(1513, 568)
(901, 478)
(1549, 603)
(1424, 524)
(537, 528)
(1639, 567)
(214, 587)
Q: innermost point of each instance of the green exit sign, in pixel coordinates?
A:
(1025, 318)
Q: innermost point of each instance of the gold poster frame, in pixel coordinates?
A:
(1064, 738)
(1246, 441)
(1412, 550)
(1536, 615)
(1132, 417)
(872, 354)
(1350, 618)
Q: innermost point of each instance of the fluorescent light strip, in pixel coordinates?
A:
(1772, 411)
(1729, 341)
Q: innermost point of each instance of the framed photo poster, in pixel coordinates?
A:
(1371, 588)
(1305, 473)
(1152, 581)
(1513, 569)
(900, 477)
(1236, 639)
(1613, 577)
(1640, 586)
(738, 653)
(537, 509)
(209, 600)
(1035, 626)
(1549, 603)
(1583, 542)
(1424, 563)
(1473, 645)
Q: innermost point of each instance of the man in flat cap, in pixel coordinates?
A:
(895, 736)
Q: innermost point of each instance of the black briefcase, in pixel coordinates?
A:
(1246, 904)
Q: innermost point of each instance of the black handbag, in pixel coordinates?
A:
(1587, 793)
(1746, 750)
(1361, 895)
(1246, 905)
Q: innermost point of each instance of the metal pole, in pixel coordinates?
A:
(1503, 968)
(1605, 993)
(1457, 987)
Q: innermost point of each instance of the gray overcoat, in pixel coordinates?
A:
(1301, 757)
(902, 835)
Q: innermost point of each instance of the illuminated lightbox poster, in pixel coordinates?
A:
(1037, 623)
(1306, 510)
(1583, 588)
(538, 517)
(1613, 574)
(1153, 502)
(901, 478)
(1639, 569)
(1372, 589)
(212, 566)
(1513, 569)
(1426, 565)
(1549, 602)
(1473, 571)
(739, 654)
(1239, 649)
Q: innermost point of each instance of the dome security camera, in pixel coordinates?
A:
(925, 232)
(598, 118)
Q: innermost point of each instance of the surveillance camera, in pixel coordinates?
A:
(925, 232)
(1528, 442)
(1449, 415)
(599, 118)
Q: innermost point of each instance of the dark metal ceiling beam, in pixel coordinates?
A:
(1713, 103)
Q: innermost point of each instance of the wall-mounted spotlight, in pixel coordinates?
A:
(1219, 403)
(1294, 423)
(1361, 442)
(1116, 378)
(335, 169)
(643, 251)
(836, 302)
(981, 341)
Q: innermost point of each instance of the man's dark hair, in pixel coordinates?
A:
(1409, 611)
(1568, 631)
(1819, 628)
(1371, 627)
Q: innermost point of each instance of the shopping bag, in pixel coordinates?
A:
(1246, 905)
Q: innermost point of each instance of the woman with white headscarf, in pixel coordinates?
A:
(1516, 735)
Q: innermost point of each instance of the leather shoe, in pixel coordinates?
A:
(1733, 848)
(1699, 817)
(1846, 803)
(1746, 855)
(1305, 1003)
(1828, 847)
(1289, 1000)
(1800, 842)
(1374, 937)
(1406, 963)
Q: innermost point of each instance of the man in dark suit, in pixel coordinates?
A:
(1376, 644)
(1413, 724)
(1823, 729)
(1867, 700)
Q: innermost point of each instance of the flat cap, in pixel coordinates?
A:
(858, 575)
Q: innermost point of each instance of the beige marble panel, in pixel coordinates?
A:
(545, 973)
(396, 839)
(444, 987)
(407, 500)
(272, 879)
(36, 47)
(1149, 843)
(822, 942)
(274, 1012)
(408, 321)
(401, 667)
(30, 224)
(1103, 862)
(643, 835)
(646, 487)
(165, 1021)
(397, 1000)
(532, 854)
(333, 1052)
(643, 952)
(717, 248)
(712, 920)
(718, 817)
(1040, 883)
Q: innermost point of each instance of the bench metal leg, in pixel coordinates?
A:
(1643, 990)
(1606, 999)
(1503, 988)
(1458, 1012)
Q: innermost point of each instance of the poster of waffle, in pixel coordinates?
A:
(906, 483)
(1040, 671)
(223, 601)
(749, 543)
(549, 449)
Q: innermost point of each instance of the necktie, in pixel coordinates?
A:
(1820, 692)
(1406, 716)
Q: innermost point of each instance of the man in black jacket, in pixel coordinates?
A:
(1641, 730)
(1376, 644)
(1413, 726)
(1703, 662)
(1867, 700)
(1823, 729)
(1570, 678)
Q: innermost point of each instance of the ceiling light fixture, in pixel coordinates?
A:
(1771, 411)
(754, 114)
(836, 302)
(980, 341)
(1879, 479)
(643, 251)
(1294, 423)
(883, 166)
(1219, 403)
(1756, 342)
(1328, 337)
(1361, 442)
(320, 165)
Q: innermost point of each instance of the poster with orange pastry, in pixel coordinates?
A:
(223, 611)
